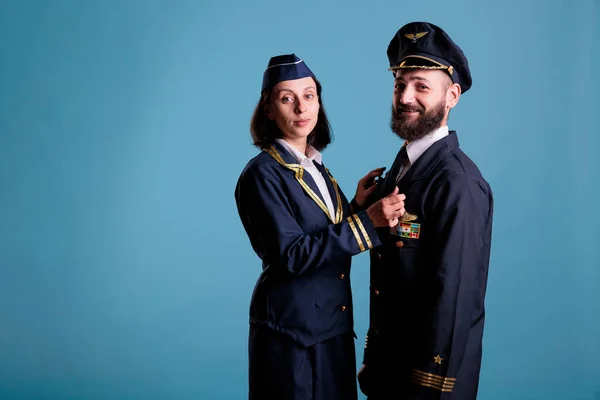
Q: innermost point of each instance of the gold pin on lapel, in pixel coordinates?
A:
(407, 217)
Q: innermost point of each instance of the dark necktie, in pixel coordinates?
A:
(394, 173)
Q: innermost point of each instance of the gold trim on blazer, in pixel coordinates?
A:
(299, 171)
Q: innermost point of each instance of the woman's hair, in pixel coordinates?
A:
(264, 130)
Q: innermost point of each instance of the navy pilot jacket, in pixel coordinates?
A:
(428, 282)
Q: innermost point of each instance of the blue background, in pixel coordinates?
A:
(124, 270)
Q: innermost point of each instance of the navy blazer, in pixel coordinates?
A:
(428, 281)
(304, 288)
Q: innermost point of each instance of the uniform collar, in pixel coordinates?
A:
(313, 154)
(417, 147)
(431, 157)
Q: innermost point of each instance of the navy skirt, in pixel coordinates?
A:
(282, 369)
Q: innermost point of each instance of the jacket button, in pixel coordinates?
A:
(400, 244)
(376, 292)
(379, 256)
(343, 308)
(342, 276)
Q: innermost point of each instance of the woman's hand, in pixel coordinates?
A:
(366, 186)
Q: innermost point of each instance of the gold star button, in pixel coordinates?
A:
(437, 359)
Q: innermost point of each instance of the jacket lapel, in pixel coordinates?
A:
(285, 158)
(306, 177)
(327, 178)
(422, 168)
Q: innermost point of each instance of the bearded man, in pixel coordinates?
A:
(429, 276)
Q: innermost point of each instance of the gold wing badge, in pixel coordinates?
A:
(415, 36)
(407, 217)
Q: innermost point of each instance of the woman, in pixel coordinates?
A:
(301, 342)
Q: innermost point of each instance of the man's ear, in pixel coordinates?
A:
(452, 95)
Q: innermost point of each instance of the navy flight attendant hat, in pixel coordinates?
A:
(422, 45)
(285, 67)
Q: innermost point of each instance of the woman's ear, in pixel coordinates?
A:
(268, 112)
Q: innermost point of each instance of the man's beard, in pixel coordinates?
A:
(426, 122)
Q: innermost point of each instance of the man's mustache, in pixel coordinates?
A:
(401, 109)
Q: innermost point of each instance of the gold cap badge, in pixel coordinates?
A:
(415, 36)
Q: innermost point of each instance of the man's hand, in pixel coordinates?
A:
(366, 186)
(387, 210)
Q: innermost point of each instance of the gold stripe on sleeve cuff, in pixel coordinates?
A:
(364, 231)
(356, 235)
(433, 381)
